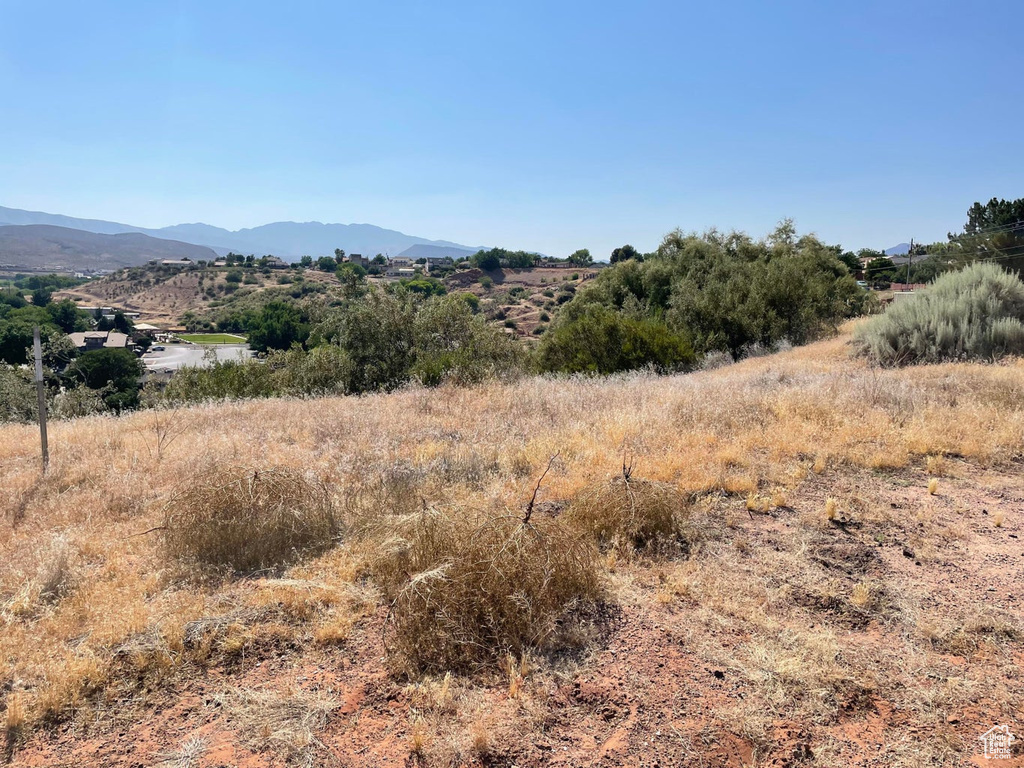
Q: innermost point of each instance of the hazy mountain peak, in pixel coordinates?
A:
(287, 239)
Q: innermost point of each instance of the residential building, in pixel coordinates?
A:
(90, 340)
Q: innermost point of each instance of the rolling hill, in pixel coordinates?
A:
(39, 246)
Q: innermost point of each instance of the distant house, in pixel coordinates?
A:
(435, 262)
(90, 340)
(400, 264)
(358, 259)
(275, 262)
(108, 312)
(220, 263)
(176, 262)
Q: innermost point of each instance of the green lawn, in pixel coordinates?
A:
(212, 338)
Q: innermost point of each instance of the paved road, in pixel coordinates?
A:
(184, 355)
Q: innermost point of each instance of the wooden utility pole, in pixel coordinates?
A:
(910, 261)
(37, 347)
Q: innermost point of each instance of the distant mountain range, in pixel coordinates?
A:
(898, 250)
(287, 239)
(40, 246)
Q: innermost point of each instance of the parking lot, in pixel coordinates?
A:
(176, 356)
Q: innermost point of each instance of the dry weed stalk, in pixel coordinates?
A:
(188, 755)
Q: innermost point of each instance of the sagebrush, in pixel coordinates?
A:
(974, 314)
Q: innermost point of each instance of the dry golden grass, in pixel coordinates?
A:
(87, 605)
(284, 723)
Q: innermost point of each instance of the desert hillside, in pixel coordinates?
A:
(794, 560)
(39, 246)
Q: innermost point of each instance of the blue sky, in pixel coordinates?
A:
(539, 125)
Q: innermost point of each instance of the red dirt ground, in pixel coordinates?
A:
(642, 697)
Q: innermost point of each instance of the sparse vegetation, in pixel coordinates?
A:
(757, 602)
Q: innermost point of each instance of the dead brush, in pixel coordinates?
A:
(249, 519)
(53, 580)
(467, 591)
(628, 514)
(286, 723)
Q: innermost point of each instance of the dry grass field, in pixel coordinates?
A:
(164, 298)
(794, 560)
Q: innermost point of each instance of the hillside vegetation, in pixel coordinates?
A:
(792, 555)
(700, 294)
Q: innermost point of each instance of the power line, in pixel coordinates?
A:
(1011, 253)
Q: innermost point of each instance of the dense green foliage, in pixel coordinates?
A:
(378, 340)
(277, 326)
(716, 292)
(17, 319)
(581, 258)
(17, 394)
(495, 258)
(116, 372)
(976, 313)
(994, 230)
(597, 339)
(625, 253)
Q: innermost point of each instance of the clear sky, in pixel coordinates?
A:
(547, 126)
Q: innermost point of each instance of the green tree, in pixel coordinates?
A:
(453, 344)
(277, 326)
(600, 340)
(326, 264)
(121, 323)
(625, 253)
(116, 372)
(41, 297)
(376, 332)
(488, 260)
(581, 258)
(306, 262)
(15, 341)
(726, 291)
(425, 286)
(994, 230)
(67, 316)
(339, 256)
